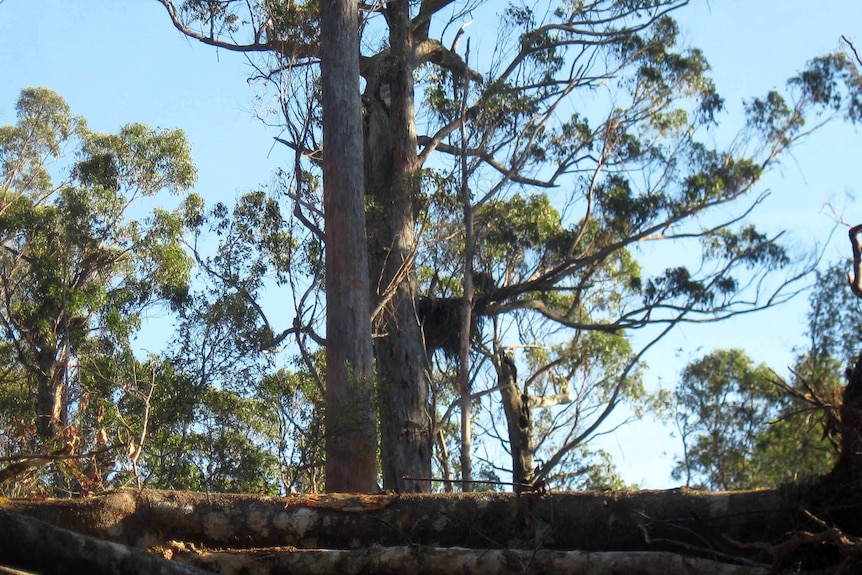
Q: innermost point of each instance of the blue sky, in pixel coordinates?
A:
(121, 61)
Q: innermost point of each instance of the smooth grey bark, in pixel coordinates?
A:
(351, 414)
(467, 299)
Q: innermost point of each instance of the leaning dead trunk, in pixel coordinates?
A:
(516, 406)
(848, 469)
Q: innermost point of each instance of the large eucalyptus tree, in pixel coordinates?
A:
(76, 269)
(580, 135)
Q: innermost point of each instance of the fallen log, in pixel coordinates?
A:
(445, 561)
(590, 521)
(735, 532)
(36, 546)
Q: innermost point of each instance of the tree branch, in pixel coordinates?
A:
(291, 50)
(510, 173)
(855, 276)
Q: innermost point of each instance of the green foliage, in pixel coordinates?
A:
(204, 437)
(624, 211)
(591, 471)
(563, 264)
(297, 399)
(225, 421)
(723, 401)
(215, 13)
(826, 80)
(834, 325)
(45, 123)
(741, 430)
(77, 272)
(511, 229)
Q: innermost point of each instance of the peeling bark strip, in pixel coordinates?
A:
(644, 520)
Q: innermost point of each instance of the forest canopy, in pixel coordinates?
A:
(512, 202)
(455, 281)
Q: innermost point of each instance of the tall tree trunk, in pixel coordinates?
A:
(467, 299)
(351, 415)
(392, 183)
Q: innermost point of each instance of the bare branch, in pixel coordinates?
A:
(852, 48)
(510, 173)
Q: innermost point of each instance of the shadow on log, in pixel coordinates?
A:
(39, 547)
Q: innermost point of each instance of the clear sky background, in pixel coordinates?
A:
(121, 61)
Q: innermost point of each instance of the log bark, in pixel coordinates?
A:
(437, 561)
